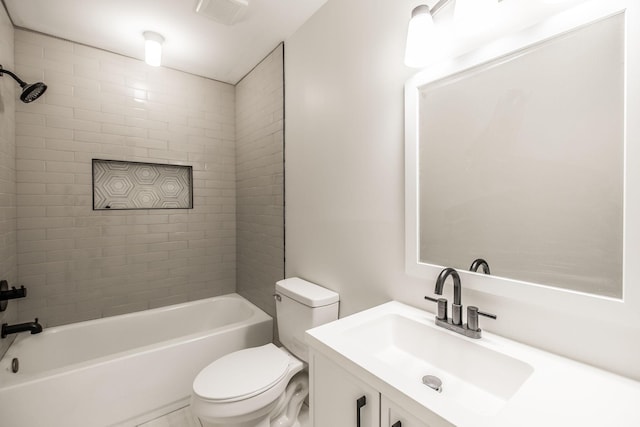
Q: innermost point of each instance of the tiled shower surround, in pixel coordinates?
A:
(260, 176)
(8, 263)
(81, 264)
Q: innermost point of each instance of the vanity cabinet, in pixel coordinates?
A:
(392, 415)
(338, 399)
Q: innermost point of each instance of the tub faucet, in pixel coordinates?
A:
(34, 327)
(469, 329)
(477, 263)
(6, 294)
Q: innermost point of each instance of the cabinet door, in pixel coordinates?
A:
(338, 399)
(392, 415)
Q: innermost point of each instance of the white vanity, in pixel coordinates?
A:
(384, 352)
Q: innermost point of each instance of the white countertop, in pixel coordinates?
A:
(557, 392)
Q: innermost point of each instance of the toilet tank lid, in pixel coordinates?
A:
(307, 293)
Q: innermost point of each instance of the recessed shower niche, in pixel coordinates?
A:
(134, 185)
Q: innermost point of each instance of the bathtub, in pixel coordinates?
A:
(123, 370)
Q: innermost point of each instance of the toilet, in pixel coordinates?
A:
(266, 386)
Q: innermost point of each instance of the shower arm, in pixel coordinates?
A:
(16, 78)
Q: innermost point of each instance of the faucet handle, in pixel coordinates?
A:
(472, 317)
(489, 315)
(442, 307)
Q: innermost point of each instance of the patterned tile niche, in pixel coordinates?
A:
(133, 185)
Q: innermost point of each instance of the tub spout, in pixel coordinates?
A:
(34, 327)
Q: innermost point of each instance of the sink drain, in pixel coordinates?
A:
(433, 382)
(15, 365)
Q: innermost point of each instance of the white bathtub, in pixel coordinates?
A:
(123, 370)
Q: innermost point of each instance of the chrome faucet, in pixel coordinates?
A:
(477, 263)
(469, 329)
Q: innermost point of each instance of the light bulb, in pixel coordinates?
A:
(153, 48)
(420, 28)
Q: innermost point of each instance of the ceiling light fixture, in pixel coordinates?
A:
(420, 29)
(153, 48)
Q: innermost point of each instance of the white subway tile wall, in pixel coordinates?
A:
(8, 94)
(259, 168)
(80, 264)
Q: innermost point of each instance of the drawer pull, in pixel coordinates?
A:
(359, 404)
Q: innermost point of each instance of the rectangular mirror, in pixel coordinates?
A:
(520, 161)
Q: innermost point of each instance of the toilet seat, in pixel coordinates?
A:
(243, 385)
(242, 374)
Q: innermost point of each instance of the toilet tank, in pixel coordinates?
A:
(302, 305)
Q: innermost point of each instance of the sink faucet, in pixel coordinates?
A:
(34, 327)
(469, 329)
(456, 307)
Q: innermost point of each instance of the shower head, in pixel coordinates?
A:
(30, 92)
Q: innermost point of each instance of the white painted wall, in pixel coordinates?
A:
(344, 77)
(344, 174)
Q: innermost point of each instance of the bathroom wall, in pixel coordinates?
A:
(345, 182)
(259, 181)
(81, 264)
(345, 150)
(8, 263)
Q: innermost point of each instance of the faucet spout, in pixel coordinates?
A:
(457, 288)
(33, 327)
(469, 329)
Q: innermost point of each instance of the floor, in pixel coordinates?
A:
(184, 418)
(180, 418)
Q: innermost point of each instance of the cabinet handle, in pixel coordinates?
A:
(359, 404)
(397, 424)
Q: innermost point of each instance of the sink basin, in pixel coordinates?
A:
(479, 378)
(400, 345)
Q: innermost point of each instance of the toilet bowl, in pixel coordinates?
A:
(243, 386)
(266, 386)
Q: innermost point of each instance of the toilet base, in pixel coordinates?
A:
(290, 403)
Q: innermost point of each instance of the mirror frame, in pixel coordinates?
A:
(574, 303)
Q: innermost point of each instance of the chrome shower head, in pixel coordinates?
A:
(30, 92)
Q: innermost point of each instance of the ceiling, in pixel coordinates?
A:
(193, 42)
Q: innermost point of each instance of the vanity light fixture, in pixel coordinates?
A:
(152, 48)
(420, 29)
